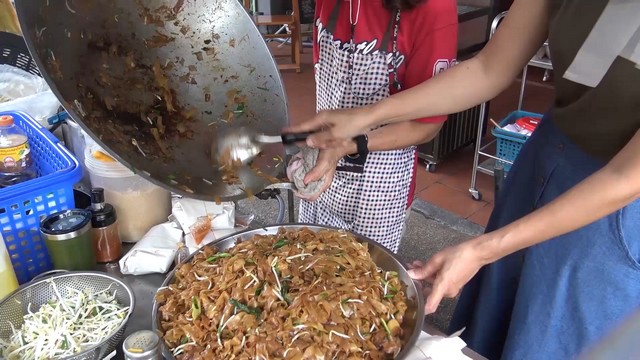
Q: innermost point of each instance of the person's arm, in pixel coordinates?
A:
(606, 191)
(469, 83)
(8, 18)
(434, 42)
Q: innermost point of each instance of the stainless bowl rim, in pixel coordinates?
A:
(411, 340)
(63, 274)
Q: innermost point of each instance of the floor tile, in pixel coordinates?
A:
(452, 200)
(481, 217)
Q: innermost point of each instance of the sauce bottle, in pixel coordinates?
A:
(106, 236)
(15, 154)
(8, 280)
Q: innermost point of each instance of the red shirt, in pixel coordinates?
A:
(427, 39)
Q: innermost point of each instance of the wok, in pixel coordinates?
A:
(385, 259)
(157, 82)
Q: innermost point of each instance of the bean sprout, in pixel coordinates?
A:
(65, 325)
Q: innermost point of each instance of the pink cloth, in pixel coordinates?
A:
(300, 164)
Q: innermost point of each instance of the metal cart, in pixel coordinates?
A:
(488, 166)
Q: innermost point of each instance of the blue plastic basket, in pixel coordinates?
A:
(508, 143)
(23, 206)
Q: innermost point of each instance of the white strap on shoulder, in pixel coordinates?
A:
(616, 33)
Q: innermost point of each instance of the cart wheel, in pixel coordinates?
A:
(431, 168)
(476, 195)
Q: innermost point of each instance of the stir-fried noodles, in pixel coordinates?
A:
(295, 295)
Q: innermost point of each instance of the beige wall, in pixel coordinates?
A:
(8, 18)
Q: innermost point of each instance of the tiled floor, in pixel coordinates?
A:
(448, 186)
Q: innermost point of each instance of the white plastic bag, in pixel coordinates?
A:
(22, 91)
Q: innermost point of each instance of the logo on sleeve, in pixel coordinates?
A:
(443, 65)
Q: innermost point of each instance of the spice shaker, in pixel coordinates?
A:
(106, 236)
(67, 235)
(142, 345)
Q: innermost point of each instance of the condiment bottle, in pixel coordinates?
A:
(106, 237)
(15, 155)
(142, 345)
(8, 280)
(67, 235)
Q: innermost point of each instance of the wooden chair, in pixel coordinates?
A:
(292, 23)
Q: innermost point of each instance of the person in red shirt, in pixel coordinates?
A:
(364, 51)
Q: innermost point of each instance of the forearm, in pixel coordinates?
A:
(398, 136)
(8, 18)
(457, 89)
(477, 80)
(601, 194)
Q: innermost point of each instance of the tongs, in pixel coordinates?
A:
(243, 145)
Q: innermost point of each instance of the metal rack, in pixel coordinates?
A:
(489, 165)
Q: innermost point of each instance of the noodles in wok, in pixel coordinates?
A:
(295, 295)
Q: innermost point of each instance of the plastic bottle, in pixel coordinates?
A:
(15, 154)
(106, 237)
(8, 280)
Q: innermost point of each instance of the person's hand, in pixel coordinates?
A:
(325, 169)
(447, 272)
(335, 128)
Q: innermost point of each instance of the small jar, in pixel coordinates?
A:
(106, 237)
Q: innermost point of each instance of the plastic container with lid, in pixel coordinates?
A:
(68, 237)
(8, 280)
(106, 238)
(140, 204)
(15, 154)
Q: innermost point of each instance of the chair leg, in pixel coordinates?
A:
(298, 49)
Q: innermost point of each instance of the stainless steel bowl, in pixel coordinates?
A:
(383, 258)
(38, 292)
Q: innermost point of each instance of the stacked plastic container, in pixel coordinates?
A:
(24, 205)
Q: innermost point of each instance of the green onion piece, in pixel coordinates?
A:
(218, 256)
(385, 326)
(393, 273)
(250, 261)
(195, 308)
(389, 296)
(248, 309)
(284, 291)
(260, 289)
(280, 243)
(184, 340)
(324, 295)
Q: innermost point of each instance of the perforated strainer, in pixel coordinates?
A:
(39, 292)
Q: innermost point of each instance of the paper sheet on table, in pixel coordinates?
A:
(430, 347)
(187, 211)
(154, 253)
(211, 237)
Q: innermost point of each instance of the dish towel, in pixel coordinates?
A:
(300, 164)
(430, 347)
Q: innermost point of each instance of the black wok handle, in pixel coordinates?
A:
(292, 138)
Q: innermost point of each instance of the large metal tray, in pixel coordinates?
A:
(385, 259)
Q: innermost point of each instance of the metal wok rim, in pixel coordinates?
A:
(66, 274)
(419, 298)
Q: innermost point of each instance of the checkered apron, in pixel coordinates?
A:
(367, 197)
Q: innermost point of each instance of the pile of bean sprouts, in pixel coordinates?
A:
(66, 325)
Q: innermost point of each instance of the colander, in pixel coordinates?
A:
(39, 291)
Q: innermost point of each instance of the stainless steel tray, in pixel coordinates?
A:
(385, 259)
